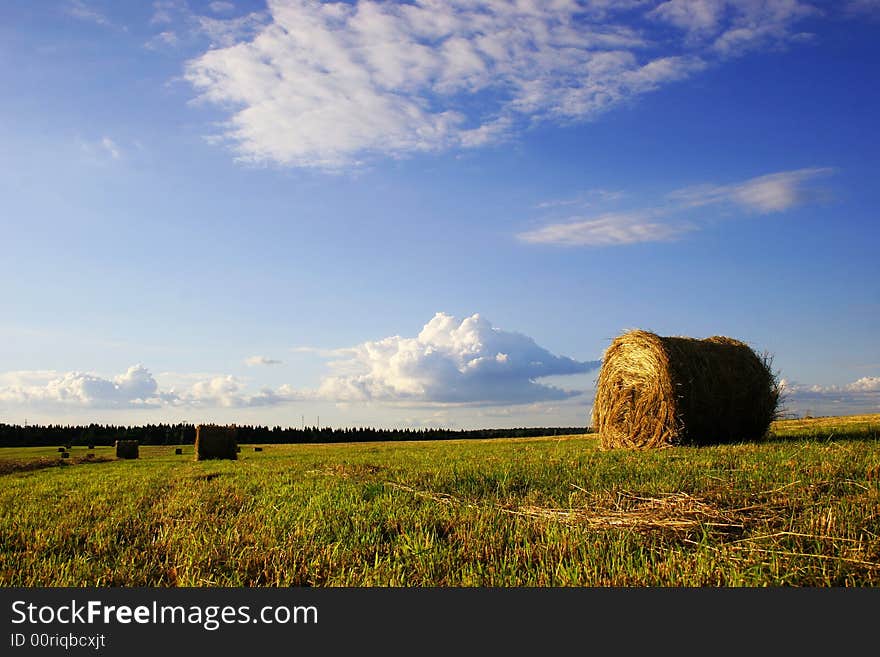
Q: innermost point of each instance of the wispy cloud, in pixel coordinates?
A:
(221, 7)
(587, 198)
(101, 151)
(864, 8)
(733, 27)
(163, 40)
(776, 192)
(255, 361)
(85, 12)
(612, 229)
(182, 27)
(111, 148)
(327, 85)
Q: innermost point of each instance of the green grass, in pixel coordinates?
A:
(801, 508)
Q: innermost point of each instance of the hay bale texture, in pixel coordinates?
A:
(126, 449)
(658, 391)
(216, 442)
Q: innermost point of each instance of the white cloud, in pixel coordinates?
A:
(100, 151)
(328, 84)
(164, 11)
(586, 198)
(866, 384)
(451, 362)
(166, 39)
(182, 27)
(610, 229)
(221, 7)
(695, 16)
(861, 396)
(134, 388)
(111, 148)
(254, 361)
(85, 12)
(775, 192)
(734, 27)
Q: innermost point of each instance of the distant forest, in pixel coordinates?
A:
(14, 435)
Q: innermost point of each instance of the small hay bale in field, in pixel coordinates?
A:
(178, 451)
(658, 391)
(62, 449)
(126, 449)
(65, 455)
(216, 442)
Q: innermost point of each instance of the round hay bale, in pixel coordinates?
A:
(658, 391)
(216, 442)
(127, 449)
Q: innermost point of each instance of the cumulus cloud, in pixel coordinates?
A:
(134, 388)
(451, 362)
(254, 361)
(775, 192)
(860, 396)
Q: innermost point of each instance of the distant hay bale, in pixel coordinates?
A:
(65, 455)
(62, 449)
(216, 442)
(658, 391)
(126, 449)
(178, 451)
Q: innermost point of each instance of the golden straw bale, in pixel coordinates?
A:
(658, 391)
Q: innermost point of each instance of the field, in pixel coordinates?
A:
(799, 508)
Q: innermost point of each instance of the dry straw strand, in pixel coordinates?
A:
(658, 391)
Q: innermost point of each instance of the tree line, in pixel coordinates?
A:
(15, 435)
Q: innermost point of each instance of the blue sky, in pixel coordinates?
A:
(428, 213)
